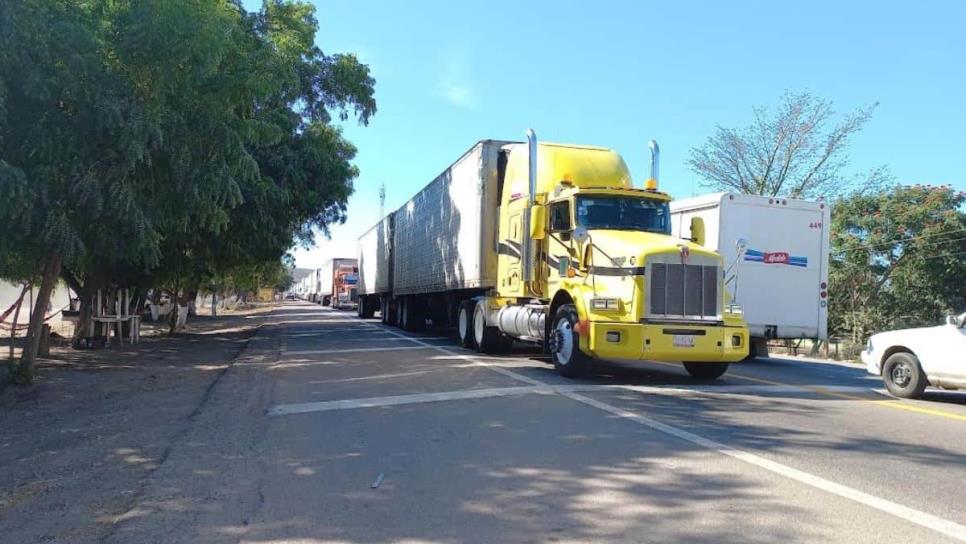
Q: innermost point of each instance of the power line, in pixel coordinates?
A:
(884, 246)
(943, 256)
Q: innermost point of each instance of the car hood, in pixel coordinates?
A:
(899, 334)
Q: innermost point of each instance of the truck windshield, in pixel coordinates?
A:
(623, 213)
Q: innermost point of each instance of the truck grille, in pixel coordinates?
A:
(683, 291)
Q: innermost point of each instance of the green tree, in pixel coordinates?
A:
(898, 259)
(137, 139)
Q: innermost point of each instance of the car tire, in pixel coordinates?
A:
(903, 376)
(464, 324)
(564, 344)
(706, 371)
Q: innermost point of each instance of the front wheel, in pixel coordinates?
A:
(706, 371)
(564, 344)
(903, 376)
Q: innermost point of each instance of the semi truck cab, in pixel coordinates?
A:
(587, 267)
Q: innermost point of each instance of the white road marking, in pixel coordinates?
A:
(376, 402)
(923, 519)
(918, 517)
(359, 338)
(356, 350)
(464, 394)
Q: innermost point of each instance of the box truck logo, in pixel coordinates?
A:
(775, 257)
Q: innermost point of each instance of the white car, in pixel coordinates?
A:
(910, 359)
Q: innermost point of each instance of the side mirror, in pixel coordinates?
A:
(697, 230)
(581, 235)
(538, 222)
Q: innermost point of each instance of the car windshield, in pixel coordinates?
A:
(623, 213)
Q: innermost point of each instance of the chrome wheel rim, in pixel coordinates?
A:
(901, 375)
(563, 341)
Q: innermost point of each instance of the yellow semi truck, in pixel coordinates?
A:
(553, 244)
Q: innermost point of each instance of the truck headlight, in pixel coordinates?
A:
(605, 304)
(734, 308)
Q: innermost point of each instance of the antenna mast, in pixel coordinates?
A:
(382, 200)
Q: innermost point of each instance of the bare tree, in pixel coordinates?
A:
(796, 152)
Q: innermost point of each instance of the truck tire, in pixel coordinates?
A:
(487, 339)
(367, 307)
(360, 307)
(385, 310)
(326, 301)
(464, 324)
(564, 344)
(399, 312)
(412, 317)
(706, 371)
(903, 376)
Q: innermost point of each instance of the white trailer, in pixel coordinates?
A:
(775, 252)
(442, 243)
(375, 270)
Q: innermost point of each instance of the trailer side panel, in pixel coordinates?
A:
(444, 238)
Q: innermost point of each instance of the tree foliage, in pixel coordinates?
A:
(898, 259)
(150, 142)
(800, 150)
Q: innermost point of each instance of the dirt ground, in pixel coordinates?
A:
(76, 447)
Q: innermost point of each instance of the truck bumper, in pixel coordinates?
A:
(656, 342)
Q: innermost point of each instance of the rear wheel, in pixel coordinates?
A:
(564, 344)
(464, 324)
(400, 306)
(706, 371)
(903, 376)
(367, 306)
(412, 316)
(487, 339)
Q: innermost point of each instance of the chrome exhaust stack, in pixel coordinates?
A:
(531, 198)
(651, 183)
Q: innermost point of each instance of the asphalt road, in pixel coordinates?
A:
(334, 429)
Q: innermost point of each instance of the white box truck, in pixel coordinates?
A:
(775, 254)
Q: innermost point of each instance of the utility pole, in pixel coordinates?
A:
(382, 200)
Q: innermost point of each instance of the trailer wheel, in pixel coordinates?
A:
(399, 312)
(385, 311)
(412, 317)
(367, 307)
(464, 324)
(706, 371)
(487, 339)
(564, 344)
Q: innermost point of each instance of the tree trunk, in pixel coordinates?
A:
(173, 316)
(16, 317)
(86, 310)
(25, 370)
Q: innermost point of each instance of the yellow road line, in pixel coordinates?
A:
(895, 404)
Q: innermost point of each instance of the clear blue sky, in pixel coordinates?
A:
(617, 74)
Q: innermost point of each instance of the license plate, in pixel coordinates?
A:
(683, 341)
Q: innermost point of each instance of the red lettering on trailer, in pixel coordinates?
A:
(779, 257)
